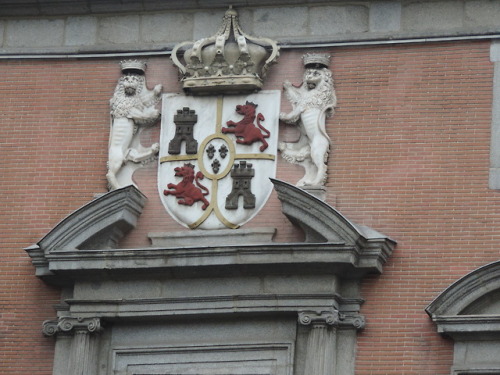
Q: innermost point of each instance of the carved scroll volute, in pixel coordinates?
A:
(319, 318)
(71, 325)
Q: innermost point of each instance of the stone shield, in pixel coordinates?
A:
(216, 157)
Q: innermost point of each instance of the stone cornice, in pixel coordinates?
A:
(300, 258)
(461, 311)
(94, 27)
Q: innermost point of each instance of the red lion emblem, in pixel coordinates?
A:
(186, 191)
(245, 130)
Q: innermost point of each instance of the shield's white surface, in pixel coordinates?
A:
(213, 114)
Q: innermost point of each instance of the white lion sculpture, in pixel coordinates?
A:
(132, 108)
(311, 103)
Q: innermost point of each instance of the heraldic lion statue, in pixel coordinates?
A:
(312, 103)
(132, 108)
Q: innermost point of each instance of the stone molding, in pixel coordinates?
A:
(215, 358)
(100, 224)
(468, 312)
(324, 224)
(155, 26)
(454, 300)
(80, 243)
(213, 237)
(222, 304)
(110, 216)
(318, 280)
(494, 177)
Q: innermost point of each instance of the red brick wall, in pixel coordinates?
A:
(410, 158)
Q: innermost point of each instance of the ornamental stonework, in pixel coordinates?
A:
(312, 102)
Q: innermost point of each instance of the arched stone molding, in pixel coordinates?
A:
(99, 224)
(323, 223)
(467, 306)
(468, 311)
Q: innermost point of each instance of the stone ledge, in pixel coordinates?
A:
(213, 237)
(156, 26)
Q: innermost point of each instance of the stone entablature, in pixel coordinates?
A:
(156, 26)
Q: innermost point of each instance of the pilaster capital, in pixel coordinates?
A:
(71, 325)
(350, 320)
(319, 317)
(332, 318)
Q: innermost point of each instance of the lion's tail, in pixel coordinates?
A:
(260, 117)
(200, 176)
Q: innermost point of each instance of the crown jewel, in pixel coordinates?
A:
(228, 62)
(316, 60)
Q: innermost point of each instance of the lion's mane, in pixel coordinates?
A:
(121, 103)
(322, 96)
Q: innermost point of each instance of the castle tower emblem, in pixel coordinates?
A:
(242, 175)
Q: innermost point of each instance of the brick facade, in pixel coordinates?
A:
(410, 158)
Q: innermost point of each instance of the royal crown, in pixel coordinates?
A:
(316, 60)
(133, 66)
(228, 62)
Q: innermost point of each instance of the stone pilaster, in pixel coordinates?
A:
(321, 342)
(82, 359)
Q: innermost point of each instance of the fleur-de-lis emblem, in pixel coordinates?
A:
(216, 166)
(223, 151)
(211, 151)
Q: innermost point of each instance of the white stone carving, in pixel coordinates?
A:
(132, 109)
(312, 103)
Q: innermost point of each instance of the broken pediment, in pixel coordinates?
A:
(85, 243)
(99, 224)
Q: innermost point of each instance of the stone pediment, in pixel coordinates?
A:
(470, 305)
(468, 312)
(99, 224)
(85, 243)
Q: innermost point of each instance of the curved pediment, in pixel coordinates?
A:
(470, 305)
(99, 224)
(320, 221)
(470, 294)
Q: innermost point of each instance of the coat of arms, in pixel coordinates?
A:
(216, 157)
